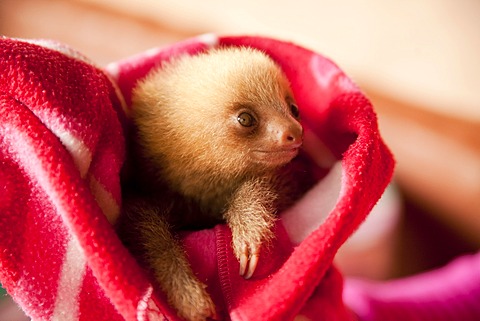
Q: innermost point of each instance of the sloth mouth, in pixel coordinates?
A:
(276, 156)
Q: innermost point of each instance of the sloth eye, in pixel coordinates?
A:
(246, 120)
(294, 110)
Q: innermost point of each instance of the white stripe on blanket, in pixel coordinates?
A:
(70, 283)
(82, 157)
(105, 200)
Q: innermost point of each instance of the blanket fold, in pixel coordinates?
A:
(62, 146)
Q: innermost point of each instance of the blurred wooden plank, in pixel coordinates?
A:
(425, 52)
(438, 161)
(101, 34)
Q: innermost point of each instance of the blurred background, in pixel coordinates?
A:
(418, 61)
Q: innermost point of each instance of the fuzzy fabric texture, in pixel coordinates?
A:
(62, 146)
(449, 293)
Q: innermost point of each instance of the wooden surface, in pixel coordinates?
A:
(438, 162)
(102, 34)
(425, 52)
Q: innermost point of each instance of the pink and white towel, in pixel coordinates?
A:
(62, 132)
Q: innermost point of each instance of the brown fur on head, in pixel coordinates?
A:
(216, 117)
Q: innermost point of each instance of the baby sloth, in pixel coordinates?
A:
(213, 135)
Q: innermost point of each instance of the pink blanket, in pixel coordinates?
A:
(62, 129)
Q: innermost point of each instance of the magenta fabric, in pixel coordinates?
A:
(62, 135)
(450, 293)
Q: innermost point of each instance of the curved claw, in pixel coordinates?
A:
(248, 260)
(243, 263)
(252, 265)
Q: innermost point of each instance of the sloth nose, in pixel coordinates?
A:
(291, 136)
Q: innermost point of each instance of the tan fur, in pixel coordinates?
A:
(197, 165)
